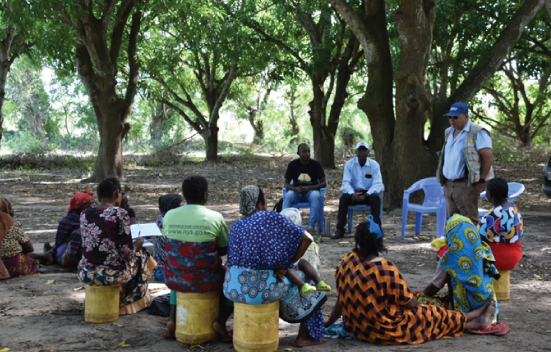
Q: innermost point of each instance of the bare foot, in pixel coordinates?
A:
(222, 332)
(487, 316)
(170, 330)
(305, 342)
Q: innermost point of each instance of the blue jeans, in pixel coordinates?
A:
(312, 197)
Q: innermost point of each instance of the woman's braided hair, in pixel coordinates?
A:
(498, 188)
(367, 242)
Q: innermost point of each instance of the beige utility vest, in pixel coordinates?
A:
(472, 158)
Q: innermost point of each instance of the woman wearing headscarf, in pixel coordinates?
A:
(263, 245)
(166, 202)
(377, 305)
(16, 257)
(68, 242)
(467, 265)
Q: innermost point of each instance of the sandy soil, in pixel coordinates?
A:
(36, 316)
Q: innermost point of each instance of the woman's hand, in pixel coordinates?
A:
(139, 243)
(280, 274)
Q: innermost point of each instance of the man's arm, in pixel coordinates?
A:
(376, 177)
(288, 185)
(487, 156)
(322, 184)
(347, 179)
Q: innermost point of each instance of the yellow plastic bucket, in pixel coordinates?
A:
(195, 314)
(502, 286)
(101, 304)
(256, 327)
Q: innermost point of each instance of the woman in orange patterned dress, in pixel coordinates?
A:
(377, 306)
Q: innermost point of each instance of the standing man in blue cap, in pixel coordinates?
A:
(361, 183)
(465, 163)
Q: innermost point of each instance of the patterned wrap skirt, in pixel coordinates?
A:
(133, 280)
(261, 287)
(20, 264)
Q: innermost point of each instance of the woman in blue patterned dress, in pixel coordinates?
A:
(263, 245)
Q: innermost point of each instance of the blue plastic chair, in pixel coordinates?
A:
(515, 190)
(362, 207)
(435, 202)
(306, 205)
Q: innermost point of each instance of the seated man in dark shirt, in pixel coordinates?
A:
(307, 178)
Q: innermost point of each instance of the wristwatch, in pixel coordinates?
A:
(482, 180)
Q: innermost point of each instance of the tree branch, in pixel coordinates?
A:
(133, 60)
(118, 29)
(195, 125)
(223, 93)
(489, 64)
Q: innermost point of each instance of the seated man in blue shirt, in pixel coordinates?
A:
(308, 178)
(361, 183)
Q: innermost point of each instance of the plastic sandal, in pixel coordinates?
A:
(322, 286)
(306, 289)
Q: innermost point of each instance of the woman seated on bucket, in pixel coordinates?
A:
(309, 263)
(166, 202)
(68, 242)
(467, 266)
(108, 255)
(263, 246)
(196, 238)
(377, 305)
(16, 248)
(502, 227)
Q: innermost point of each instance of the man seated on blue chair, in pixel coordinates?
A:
(308, 178)
(361, 183)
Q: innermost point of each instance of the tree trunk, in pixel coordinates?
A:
(258, 126)
(97, 65)
(109, 162)
(324, 142)
(157, 125)
(211, 142)
(295, 130)
(4, 68)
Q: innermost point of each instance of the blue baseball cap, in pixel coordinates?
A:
(458, 109)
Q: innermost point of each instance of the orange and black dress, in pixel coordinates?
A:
(372, 295)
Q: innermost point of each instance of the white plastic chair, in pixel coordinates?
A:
(435, 202)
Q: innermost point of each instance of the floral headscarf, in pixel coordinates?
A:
(248, 198)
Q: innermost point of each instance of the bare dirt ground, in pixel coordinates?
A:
(36, 316)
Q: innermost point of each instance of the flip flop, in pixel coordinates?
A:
(498, 329)
(503, 329)
(310, 343)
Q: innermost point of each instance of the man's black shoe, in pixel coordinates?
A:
(338, 234)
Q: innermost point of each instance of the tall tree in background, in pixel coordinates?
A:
(399, 101)
(31, 104)
(314, 40)
(105, 36)
(200, 47)
(17, 35)
(251, 98)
